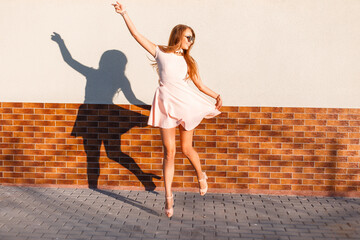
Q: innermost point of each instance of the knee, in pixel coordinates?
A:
(169, 153)
(186, 150)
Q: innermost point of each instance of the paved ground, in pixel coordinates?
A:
(50, 213)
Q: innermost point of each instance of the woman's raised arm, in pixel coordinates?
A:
(144, 42)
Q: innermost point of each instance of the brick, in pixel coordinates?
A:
(12, 105)
(259, 186)
(270, 169)
(280, 163)
(324, 188)
(259, 163)
(13, 116)
(338, 110)
(248, 157)
(337, 123)
(315, 110)
(325, 176)
(258, 127)
(24, 181)
(304, 140)
(271, 121)
(282, 139)
(293, 134)
(328, 116)
(226, 156)
(269, 181)
(280, 187)
(315, 134)
(293, 110)
(23, 111)
(345, 189)
(34, 117)
(313, 182)
(239, 115)
(303, 152)
(226, 168)
(271, 133)
(281, 175)
(33, 105)
(45, 181)
(291, 169)
(260, 115)
(259, 175)
(303, 164)
(66, 182)
(283, 115)
(6, 110)
(271, 109)
(25, 169)
(354, 123)
(270, 157)
(314, 158)
(34, 175)
(257, 151)
(305, 116)
(12, 175)
(325, 129)
(304, 128)
(249, 109)
(348, 129)
(314, 146)
(302, 188)
(315, 122)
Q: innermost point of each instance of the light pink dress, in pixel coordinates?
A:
(175, 102)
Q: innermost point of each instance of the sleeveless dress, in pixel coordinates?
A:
(175, 102)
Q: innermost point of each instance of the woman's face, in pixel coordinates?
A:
(187, 39)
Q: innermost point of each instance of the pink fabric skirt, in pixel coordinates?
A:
(177, 103)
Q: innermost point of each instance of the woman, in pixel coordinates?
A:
(175, 103)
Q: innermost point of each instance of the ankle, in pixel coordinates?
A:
(200, 175)
(203, 177)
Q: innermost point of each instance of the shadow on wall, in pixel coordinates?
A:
(99, 121)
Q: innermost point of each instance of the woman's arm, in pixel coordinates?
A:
(144, 42)
(201, 86)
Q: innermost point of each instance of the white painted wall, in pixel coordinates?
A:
(254, 52)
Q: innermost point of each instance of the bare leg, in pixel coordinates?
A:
(186, 139)
(168, 139)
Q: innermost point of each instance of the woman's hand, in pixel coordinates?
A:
(218, 103)
(119, 8)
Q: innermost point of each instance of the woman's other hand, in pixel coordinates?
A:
(218, 103)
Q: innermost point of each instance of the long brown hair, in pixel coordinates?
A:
(175, 43)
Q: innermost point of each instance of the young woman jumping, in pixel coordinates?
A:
(175, 103)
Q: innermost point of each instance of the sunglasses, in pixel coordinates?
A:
(190, 38)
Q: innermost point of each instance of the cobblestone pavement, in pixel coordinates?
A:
(51, 213)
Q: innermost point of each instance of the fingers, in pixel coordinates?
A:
(218, 104)
(118, 7)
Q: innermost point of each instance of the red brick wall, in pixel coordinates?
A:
(246, 149)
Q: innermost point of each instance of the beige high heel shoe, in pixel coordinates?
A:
(170, 211)
(203, 190)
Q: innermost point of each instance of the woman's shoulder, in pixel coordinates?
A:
(160, 50)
